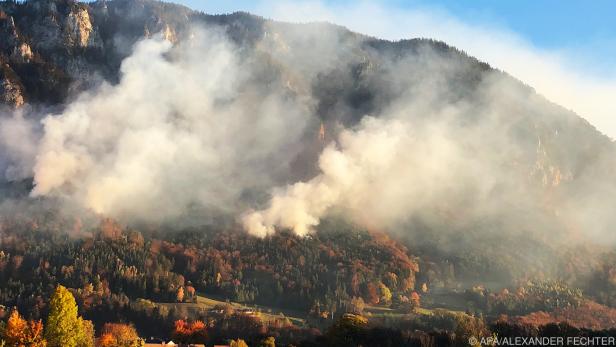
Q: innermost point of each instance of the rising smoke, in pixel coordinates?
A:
(19, 141)
(185, 126)
(417, 156)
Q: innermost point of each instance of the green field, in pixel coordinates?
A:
(204, 304)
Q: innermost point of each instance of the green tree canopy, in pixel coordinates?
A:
(64, 327)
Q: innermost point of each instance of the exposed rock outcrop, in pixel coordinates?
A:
(22, 53)
(78, 29)
(11, 91)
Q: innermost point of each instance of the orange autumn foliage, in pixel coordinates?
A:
(117, 334)
(20, 333)
(107, 340)
(180, 294)
(189, 332)
(415, 299)
(589, 314)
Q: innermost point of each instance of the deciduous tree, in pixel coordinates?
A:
(238, 343)
(64, 327)
(119, 335)
(180, 294)
(20, 333)
(268, 342)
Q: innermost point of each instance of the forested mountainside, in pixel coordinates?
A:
(353, 191)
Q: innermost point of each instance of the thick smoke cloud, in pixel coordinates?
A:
(380, 172)
(415, 158)
(483, 161)
(185, 127)
(18, 143)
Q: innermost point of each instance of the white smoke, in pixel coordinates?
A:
(369, 163)
(189, 126)
(465, 163)
(19, 143)
(387, 169)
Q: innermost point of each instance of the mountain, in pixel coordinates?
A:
(325, 142)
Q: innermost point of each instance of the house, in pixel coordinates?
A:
(151, 343)
(160, 344)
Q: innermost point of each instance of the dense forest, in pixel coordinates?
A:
(341, 278)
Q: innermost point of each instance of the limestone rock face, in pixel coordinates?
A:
(11, 92)
(169, 34)
(78, 28)
(22, 53)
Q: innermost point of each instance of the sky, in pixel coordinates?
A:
(547, 23)
(563, 48)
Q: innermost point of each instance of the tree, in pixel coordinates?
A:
(180, 294)
(185, 332)
(268, 342)
(107, 340)
(356, 305)
(384, 294)
(85, 336)
(371, 293)
(238, 343)
(467, 327)
(191, 293)
(18, 332)
(119, 335)
(415, 300)
(35, 334)
(348, 330)
(64, 327)
(15, 330)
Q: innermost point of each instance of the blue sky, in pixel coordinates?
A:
(549, 23)
(564, 49)
(586, 28)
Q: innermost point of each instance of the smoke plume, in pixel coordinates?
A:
(18, 141)
(185, 127)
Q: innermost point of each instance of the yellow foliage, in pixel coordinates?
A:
(238, 343)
